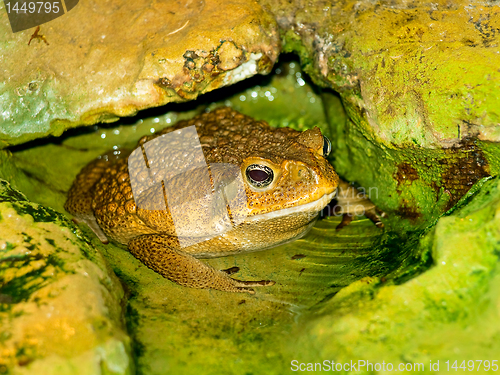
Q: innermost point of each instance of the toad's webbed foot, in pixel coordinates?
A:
(161, 255)
(352, 202)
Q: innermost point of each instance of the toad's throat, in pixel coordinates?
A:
(257, 226)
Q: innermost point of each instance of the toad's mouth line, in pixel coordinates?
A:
(314, 206)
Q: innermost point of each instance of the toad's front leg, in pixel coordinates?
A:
(160, 253)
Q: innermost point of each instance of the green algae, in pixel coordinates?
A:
(418, 184)
(408, 72)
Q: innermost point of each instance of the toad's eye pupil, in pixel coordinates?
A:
(259, 176)
(327, 146)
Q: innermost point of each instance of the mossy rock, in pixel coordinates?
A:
(60, 303)
(417, 81)
(449, 314)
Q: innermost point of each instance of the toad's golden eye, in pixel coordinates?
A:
(259, 175)
(327, 146)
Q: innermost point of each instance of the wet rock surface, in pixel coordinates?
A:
(447, 313)
(410, 73)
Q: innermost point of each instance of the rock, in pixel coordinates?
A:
(118, 58)
(60, 310)
(410, 73)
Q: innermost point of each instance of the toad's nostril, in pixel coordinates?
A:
(300, 173)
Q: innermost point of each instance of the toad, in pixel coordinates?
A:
(218, 184)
